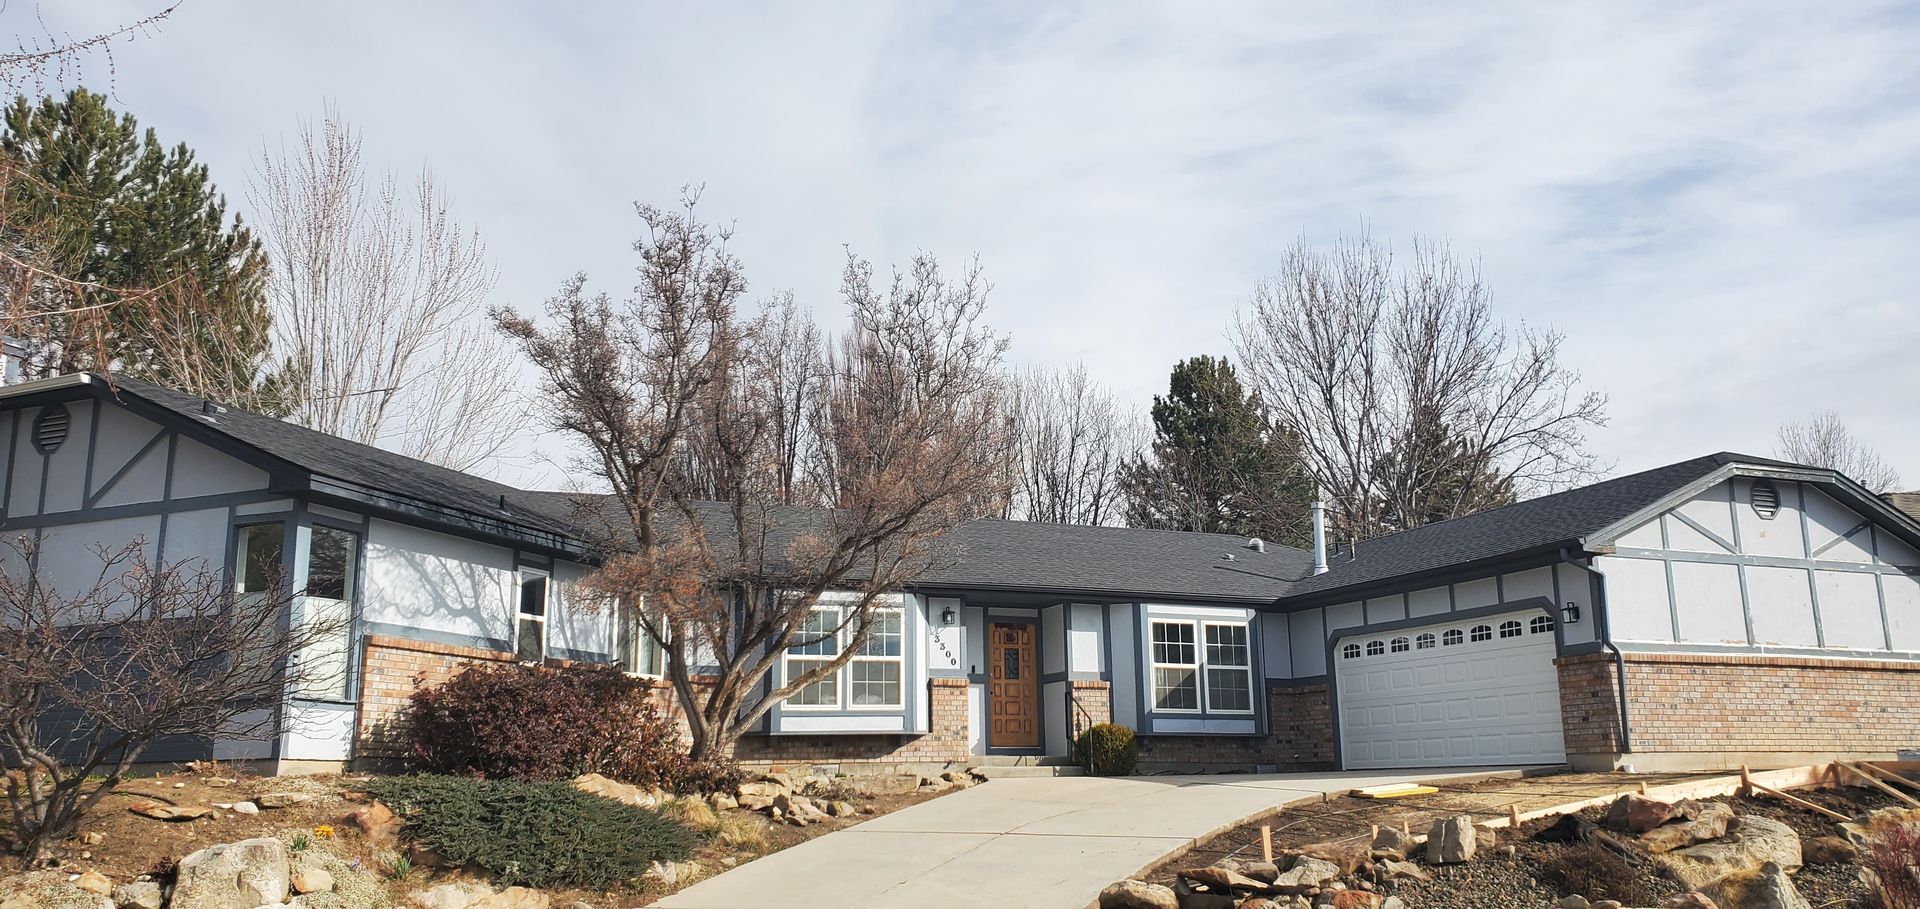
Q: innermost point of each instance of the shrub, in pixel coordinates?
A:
(546, 834)
(540, 723)
(1107, 749)
(1593, 870)
(1891, 864)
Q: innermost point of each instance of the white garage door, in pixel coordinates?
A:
(1462, 693)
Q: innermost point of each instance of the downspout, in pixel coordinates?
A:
(1606, 641)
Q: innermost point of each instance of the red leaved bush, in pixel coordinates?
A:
(543, 723)
(1892, 865)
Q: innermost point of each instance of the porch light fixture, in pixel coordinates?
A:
(1570, 613)
(947, 616)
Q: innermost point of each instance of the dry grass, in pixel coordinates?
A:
(693, 812)
(1595, 871)
(742, 830)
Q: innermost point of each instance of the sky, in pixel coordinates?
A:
(1718, 205)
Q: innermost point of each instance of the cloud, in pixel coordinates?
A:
(1716, 204)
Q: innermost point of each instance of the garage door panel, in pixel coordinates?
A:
(1495, 701)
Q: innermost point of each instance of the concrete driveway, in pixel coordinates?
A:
(1047, 843)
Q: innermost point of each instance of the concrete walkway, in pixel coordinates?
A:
(1046, 843)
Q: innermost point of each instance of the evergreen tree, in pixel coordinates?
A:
(1217, 465)
(1431, 475)
(154, 278)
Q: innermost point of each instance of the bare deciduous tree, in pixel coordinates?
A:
(37, 60)
(91, 677)
(378, 304)
(1070, 440)
(1412, 403)
(1824, 441)
(666, 392)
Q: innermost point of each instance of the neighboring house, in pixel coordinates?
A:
(1757, 611)
(1908, 502)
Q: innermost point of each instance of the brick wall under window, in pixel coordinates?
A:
(1299, 737)
(945, 741)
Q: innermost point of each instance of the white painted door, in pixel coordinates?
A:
(1460, 693)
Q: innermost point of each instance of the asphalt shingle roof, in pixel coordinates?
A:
(1550, 521)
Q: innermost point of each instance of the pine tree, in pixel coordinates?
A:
(156, 280)
(1217, 465)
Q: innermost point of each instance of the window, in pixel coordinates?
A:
(1350, 652)
(1509, 629)
(1423, 642)
(1540, 625)
(332, 556)
(875, 675)
(1376, 648)
(1399, 645)
(1481, 633)
(260, 557)
(1452, 637)
(530, 627)
(1176, 667)
(640, 654)
(1229, 669)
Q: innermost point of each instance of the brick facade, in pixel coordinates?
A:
(944, 743)
(1299, 737)
(1090, 704)
(394, 668)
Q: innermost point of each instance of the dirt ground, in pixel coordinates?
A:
(1523, 879)
(129, 845)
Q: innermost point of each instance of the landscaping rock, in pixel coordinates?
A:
(1575, 901)
(311, 878)
(763, 789)
(45, 889)
(1137, 895)
(756, 802)
(1261, 871)
(1189, 898)
(1766, 887)
(1392, 842)
(1357, 899)
(1395, 870)
(449, 896)
(1690, 900)
(1857, 829)
(1349, 858)
(238, 875)
(1638, 814)
(1750, 843)
(281, 799)
(1828, 850)
(723, 802)
(376, 823)
(1607, 904)
(516, 898)
(139, 895)
(245, 808)
(94, 882)
(1451, 841)
(1217, 878)
(624, 793)
(1306, 871)
(1706, 821)
(161, 811)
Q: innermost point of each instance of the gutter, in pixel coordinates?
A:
(1606, 640)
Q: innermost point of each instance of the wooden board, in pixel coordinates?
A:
(1395, 791)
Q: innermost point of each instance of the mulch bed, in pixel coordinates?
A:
(1520, 880)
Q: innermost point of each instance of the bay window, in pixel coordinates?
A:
(873, 677)
(1201, 667)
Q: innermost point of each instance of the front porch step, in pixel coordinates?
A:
(1017, 771)
(1020, 760)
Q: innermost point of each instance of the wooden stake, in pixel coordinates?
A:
(1910, 800)
(1643, 787)
(1796, 800)
(1746, 781)
(1406, 828)
(1889, 776)
(1266, 843)
(1513, 816)
(1373, 832)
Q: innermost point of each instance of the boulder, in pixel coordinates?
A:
(1637, 814)
(624, 793)
(140, 895)
(311, 878)
(1451, 841)
(377, 824)
(281, 799)
(161, 811)
(245, 808)
(723, 802)
(1349, 858)
(1393, 870)
(756, 802)
(1217, 878)
(238, 875)
(1392, 842)
(93, 882)
(1766, 887)
(1857, 830)
(1607, 904)
(1357, 899)
(763, 789)
(1706, 821)
(1750, 843)
(449, 896)
(1261, 871)
(1570, 828)
(1137, 895)
(1306, 871)
(515, 898)
(1576, 901)
(1828, 850)
(1189, 898)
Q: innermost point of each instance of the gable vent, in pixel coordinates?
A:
(1766, 499)
(50, 428)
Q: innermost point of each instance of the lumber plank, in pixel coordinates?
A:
(1883, 787)
(1803, 803)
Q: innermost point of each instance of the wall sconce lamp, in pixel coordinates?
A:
(947, 616)
(1570, 613)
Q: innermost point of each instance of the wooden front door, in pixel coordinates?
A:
(1013, 687)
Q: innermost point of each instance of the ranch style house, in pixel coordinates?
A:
(1720, 611)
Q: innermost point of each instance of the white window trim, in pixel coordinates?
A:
(1247, 670)
(520, 616)
(638, 637)
(832, 601)
(1154, 665)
